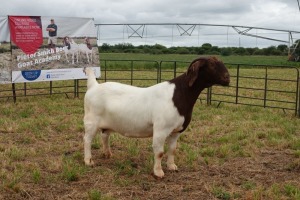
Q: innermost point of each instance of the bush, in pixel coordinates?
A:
(213, 53)
(258, 52)
(206, 46)
(183, 51)
(226, 52)
(156, 51)
(201, 51)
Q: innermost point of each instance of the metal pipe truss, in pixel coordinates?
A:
(186, 29)
(245, 32)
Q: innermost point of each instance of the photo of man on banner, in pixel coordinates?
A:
(52, 30)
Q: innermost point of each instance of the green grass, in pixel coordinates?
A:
(36, 175)
(97, 195)
(260, 60)
(220, 193)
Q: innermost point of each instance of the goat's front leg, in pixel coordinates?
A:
(105, 142)
(159, 139)
(90, 131)
(73, 58)
(77, 56)
(66, 57)
(87, 56)
(172, 142)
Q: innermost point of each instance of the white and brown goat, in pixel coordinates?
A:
(70, 47)
(162, 111)
(87, 49)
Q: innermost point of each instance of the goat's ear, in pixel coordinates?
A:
(193, 71)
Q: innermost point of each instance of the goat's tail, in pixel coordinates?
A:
(91, 81)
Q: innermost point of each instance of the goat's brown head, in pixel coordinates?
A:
(87, 40)
(209, 71)
(66, 40)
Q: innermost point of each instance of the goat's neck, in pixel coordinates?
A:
(189, 94)
(185, 97)
(91, 79)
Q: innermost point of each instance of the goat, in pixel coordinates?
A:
(87, 49)
(70, 47)
(162, 111)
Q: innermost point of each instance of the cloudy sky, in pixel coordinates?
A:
(273, 14)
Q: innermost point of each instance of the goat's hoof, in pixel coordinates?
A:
(89, 162)
(172, 167)
(159, 174)
(107, 155)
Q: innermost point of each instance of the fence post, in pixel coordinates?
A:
(237, 84)
(175, 68)
(105, 71)
(14, 92)
(158, 71)
(131, 73)
(50, 87)
(25, 89)
(266, 87)
(208, 96)
(77, 82)
(75, 88)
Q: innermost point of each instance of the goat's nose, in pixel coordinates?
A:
(227, 76)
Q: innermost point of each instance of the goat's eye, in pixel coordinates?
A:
(215, 67)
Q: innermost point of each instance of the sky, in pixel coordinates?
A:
(271, 14)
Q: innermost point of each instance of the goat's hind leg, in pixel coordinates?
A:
(105, 142)
(90, 131)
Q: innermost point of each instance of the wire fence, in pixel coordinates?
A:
(253, 85)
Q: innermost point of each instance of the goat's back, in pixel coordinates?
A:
(126, 95)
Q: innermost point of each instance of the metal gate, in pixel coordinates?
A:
(254, 85)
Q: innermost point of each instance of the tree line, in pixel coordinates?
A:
(205, 48)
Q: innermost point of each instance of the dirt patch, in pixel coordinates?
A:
(237, 177)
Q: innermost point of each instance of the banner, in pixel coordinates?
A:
(52, 48)
(5, 53)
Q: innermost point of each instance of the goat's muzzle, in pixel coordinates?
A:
(225, 80)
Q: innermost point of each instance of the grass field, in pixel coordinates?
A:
(230, 152)
(260, 60)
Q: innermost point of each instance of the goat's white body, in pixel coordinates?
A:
(74, 49)
(133, 111)
(88, 52)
